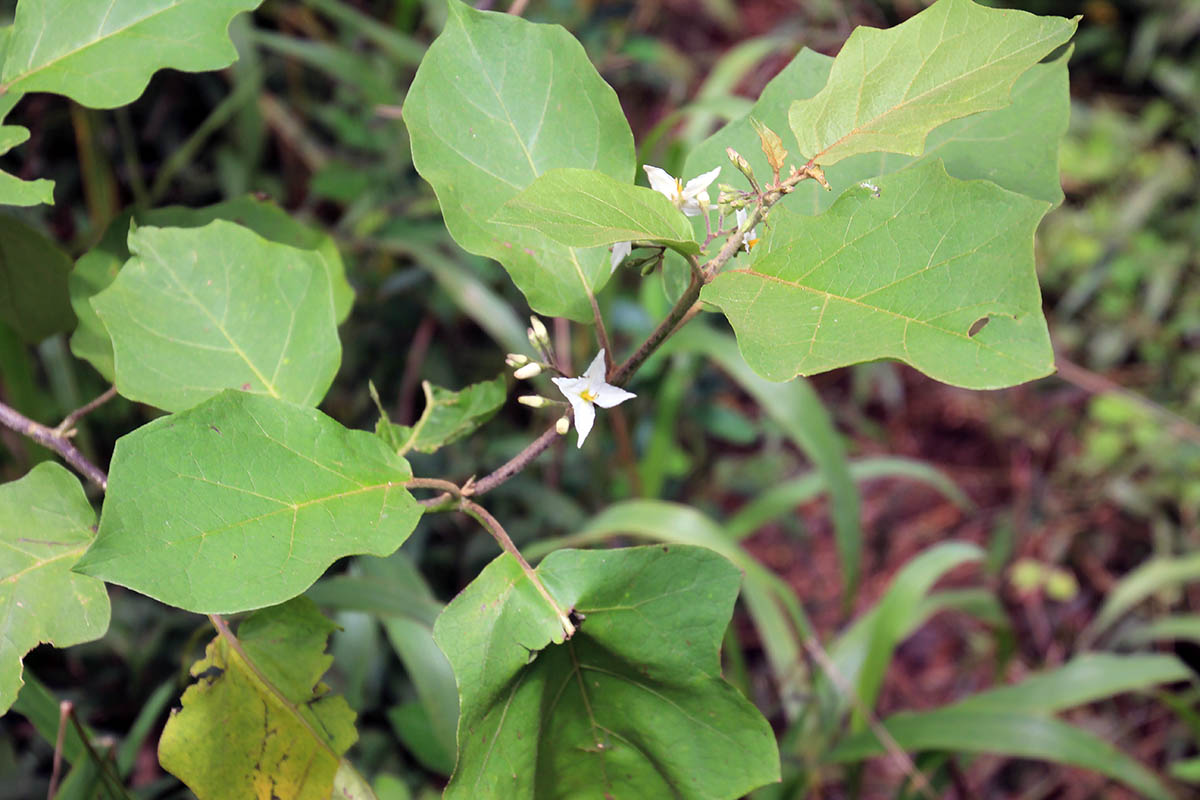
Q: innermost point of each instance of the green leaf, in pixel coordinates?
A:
(783, 498)
(45, 526)
(768, 599)
(199, 310)
(483, 130)
(1175, 626)
(863, 655)
(585, 208)
(101, 53)
(258, 721)
(448, 416)
(1082, 680)
(243, 501)
(633, 705)
(1151, 577)
(97, 269)
(888, 89)
(909, 274)
(272, 223)
(1005, 733)
(1015, 147)
(13, 190)
(34, 300)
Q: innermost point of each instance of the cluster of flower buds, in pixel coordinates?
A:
(731, 199)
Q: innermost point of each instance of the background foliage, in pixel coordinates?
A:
(1078, 493)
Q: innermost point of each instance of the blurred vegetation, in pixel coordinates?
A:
(1082, 490)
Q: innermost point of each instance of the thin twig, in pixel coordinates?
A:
(518, 462)
(64, 713)
(481, 515)
(518, 7)
(898, 754)
(106, 771)
(64, 428)
(46, 437)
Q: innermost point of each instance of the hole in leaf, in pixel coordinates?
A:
(978, 325)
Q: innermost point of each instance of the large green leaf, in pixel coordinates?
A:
(13, 190)
(768, 599)
(97, 269)
(1009, 733)
(448, 416)
(1015, 146)
(258, 721)
(33, 282)
(198, 310)
(888, 89)
(45, 526)
(497, 102)
(585, 208)
(101, 53)
(633, 706)
(910, 271)
(243, 501)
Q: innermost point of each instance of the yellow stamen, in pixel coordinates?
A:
(587, 395)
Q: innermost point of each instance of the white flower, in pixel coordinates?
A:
(588, 391)
(619, 251)
(750, 237)
(691, 199)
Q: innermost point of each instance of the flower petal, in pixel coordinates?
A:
(662, 182)
(619, 251)
(595, 373)
(608, 395)
(585, 417)
(698, 184)
(571, 388)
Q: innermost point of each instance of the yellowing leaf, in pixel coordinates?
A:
(258, 722)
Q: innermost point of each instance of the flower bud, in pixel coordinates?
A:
(516, 360)
(539, 337)
(562, 426)
(742, 164)
(532, 400)
(531, 370)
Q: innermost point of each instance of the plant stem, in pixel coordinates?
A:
(518, 462)
(659, 335)
(64, 428)
(48, 438)
(481, 515)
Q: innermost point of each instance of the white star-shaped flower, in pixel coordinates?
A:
(588, 391)
(692, 199)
